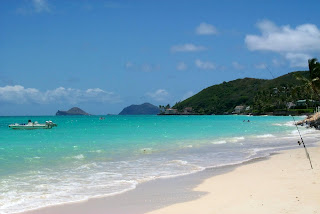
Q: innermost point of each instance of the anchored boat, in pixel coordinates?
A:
(33, 125)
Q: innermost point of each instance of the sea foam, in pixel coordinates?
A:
(81, 160)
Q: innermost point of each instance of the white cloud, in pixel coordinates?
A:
(187, 95)
(94, 90)
(34, 6)
(181, 66)
(206, 29)
(144, 67)
(304, 37)
(41, 6)
(298, 59)
(237, 66)
(278, 62)
(19, 95)
(129, 65)
(158, 95)
(187, 48)
(150, 68)
(260, 66)
(205, 65)
(293, 43)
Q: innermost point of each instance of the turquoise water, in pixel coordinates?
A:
(86, 157)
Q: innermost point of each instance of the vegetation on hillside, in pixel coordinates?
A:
(261, 95)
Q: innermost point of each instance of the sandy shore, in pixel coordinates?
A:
(283, 183)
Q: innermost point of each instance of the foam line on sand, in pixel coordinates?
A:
(285, 183)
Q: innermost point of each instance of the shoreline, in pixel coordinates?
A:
(160, 195)
(151, 191)
(283, 184)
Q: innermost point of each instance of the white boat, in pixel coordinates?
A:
(33, 125)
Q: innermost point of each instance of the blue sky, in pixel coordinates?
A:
(105, 55)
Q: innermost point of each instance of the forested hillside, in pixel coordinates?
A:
(260, 94)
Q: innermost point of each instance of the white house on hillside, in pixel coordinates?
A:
(238, 109)
(171, 111)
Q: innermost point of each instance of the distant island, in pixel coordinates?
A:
(72, 111)
(143, 109)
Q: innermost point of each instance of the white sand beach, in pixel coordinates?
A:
(283, 183)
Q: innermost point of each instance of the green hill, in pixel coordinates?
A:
(260, 94)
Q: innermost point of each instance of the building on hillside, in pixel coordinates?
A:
(187, 110)
(171, 111)
(238, 109)
(290, 105)
(301, 103)
(306, 103)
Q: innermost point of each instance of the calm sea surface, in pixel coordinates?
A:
(85, 157)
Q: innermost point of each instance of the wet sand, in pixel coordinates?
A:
(282, 183)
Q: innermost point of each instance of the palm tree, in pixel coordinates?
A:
(314, 72)
(314, 68)
(312, 82)
(161, 108)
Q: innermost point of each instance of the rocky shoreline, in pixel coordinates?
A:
(312, 121)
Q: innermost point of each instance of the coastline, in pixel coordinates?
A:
(283, 184)
(248, 188)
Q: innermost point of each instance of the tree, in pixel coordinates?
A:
(312, 82)
(314, 68)
(161, 107)
(314, 71)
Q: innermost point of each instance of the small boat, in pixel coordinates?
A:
(33, 125)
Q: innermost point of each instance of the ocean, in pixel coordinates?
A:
(85, 157)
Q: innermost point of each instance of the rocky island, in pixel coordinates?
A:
(143, 109)
(72, 111)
